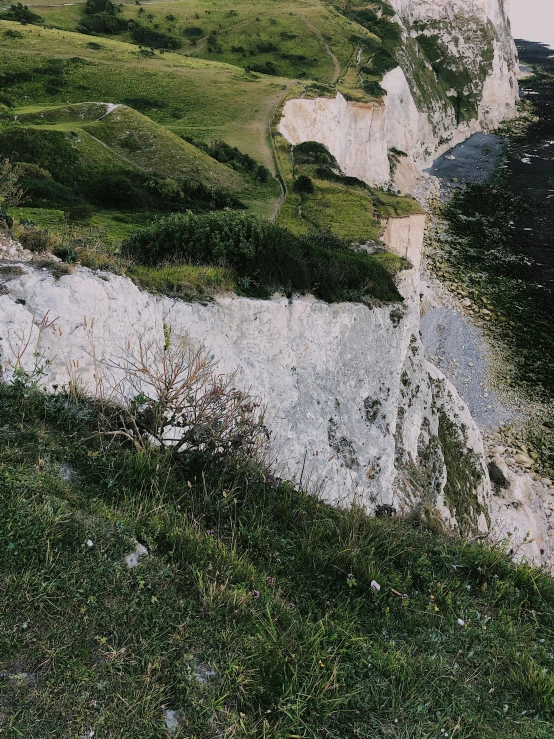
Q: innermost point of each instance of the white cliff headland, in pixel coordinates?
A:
(419, 116)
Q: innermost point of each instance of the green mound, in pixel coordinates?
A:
(66, 166)
(76, 113)
(156, 149)
(259, 611)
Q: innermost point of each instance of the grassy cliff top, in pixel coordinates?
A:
(258, 612)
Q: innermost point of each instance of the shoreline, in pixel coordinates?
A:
(455, 330)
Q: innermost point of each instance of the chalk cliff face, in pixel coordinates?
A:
(353, 406)
(456, 76)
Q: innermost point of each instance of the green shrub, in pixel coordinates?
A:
(21, 14)
(265, 257)
(102, 23)
(373, 88)
(10, 33)
(234, 158)
(267, 68)
(303, 185)
(37, 240)
(143, 104)
(192, 32)
(26, 170)
(382, 62)
(312, 152)
(154, 39)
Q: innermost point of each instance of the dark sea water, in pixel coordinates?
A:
(531, 166)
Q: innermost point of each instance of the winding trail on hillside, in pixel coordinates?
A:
(336, 64)
(278, 174)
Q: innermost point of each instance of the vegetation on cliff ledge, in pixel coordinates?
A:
(266, 258)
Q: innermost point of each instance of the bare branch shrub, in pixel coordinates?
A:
(15, 353)
(170, 396)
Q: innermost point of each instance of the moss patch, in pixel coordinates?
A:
(463, 475)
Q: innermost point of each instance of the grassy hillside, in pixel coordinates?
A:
(310, 39)
(123, 114)
(204, 99)
(258, 612)
(347, 45)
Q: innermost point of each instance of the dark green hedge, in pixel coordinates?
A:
(265, 257)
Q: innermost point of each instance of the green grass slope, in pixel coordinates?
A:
(348, 44)
(255, 613)
(204, 99)
(156, 149)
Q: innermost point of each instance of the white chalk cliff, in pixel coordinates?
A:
(353, 406)
(418, 116)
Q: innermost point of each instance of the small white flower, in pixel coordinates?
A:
(90, 543)
(461, 622)
(375, 585)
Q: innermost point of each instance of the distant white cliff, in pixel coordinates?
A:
(419, 116)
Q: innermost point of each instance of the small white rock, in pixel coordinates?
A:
(171, 720)
(90, 543)
(461, 622)
(132, 559)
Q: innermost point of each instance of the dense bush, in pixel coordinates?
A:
(382, 62)
(312, 152)
(388, 31)
(21, 14)
(154, 39)
(192, 32)
(10, 33)
(373, 88)
(303, 185)
(102, 23)
(265, 257)
(233, 157)
(267, 68)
